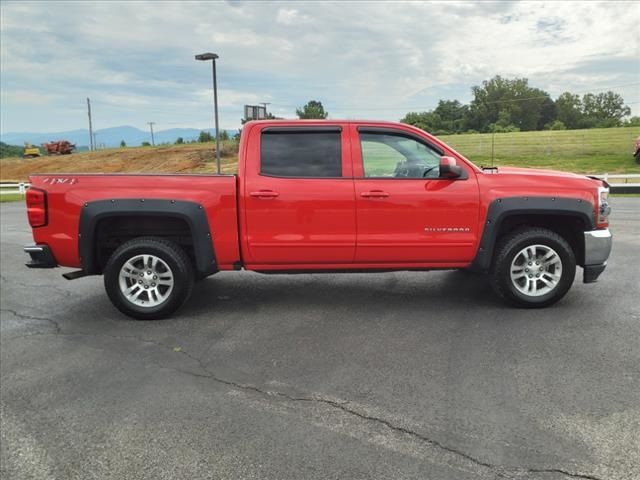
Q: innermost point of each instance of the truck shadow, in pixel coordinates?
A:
(243, 292)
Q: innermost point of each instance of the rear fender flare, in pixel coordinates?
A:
(192, 213)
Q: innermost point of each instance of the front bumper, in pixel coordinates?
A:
(41, 256)
(597, 247)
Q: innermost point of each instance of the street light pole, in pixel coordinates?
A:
(212, 57)
(215, 109)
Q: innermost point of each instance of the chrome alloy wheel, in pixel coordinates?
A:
(146, 280)
(536, 270)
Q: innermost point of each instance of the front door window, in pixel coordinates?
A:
(397, 156)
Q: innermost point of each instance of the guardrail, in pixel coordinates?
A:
(16, 188)
(631, 183)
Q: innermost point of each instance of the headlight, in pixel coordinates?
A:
(603, 208)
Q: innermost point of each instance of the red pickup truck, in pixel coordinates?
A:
(323, 196)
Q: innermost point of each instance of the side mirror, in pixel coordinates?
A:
(449, 168)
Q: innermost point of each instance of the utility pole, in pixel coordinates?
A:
(151, 124)
(493, 146)
(91, 141)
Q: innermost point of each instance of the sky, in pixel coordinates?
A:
(366, 60)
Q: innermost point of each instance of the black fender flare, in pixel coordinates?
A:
(502, 208)
(192, 213)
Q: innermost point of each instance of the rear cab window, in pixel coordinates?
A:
(301, 152)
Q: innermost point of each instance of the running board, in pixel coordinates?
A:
(74, 275)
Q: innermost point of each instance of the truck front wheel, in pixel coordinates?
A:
(148, 278)
(533, 268)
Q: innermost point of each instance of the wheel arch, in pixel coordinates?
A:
(104, 224)
(568, 217)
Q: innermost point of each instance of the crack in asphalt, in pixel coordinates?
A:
(500, 471)
(563, 472)
(56, 325)
(66, 293)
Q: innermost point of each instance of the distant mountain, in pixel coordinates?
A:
(109, 137)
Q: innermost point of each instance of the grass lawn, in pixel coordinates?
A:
(11, 197)
(598, 150)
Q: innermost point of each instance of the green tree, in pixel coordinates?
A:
(179, 141)
(313, 109)
(10, 150)
(427, 121)
(205, 137)
(452, 115)
(605, 109)
(633, 122)
(146, 144)
(569, 110)
(122, 144)
(448, 117)
(548, 111)
(503, 124)
(501, 101)
(224, 135)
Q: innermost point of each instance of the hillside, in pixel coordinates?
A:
(187, 158)
(585, 151)
(10, 150)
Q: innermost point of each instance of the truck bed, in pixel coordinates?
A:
(68, 194)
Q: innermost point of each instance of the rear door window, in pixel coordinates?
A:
(304, 153)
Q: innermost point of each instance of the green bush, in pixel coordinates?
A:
(557, 125)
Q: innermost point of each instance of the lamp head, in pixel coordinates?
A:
(207, 56)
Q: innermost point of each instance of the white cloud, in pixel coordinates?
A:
(27, 97)
(362, 59)
(289, 16)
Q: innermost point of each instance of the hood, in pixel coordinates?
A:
(537, 172)
(540, 177)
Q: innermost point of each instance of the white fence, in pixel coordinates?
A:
(630, 179)
(8, 188)
(620, 183)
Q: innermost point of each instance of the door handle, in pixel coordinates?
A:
(374, 194)
(264, 194)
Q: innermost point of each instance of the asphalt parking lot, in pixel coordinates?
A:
(397, 375)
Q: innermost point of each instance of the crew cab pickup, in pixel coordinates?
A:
(323, 196)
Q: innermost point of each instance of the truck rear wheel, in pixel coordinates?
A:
(533, 268)
(148, 278)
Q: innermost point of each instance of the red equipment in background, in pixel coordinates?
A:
(59, 147)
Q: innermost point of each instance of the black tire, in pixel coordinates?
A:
(507, 250)
(168, 252)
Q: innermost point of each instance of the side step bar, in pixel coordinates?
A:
(75, 274)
